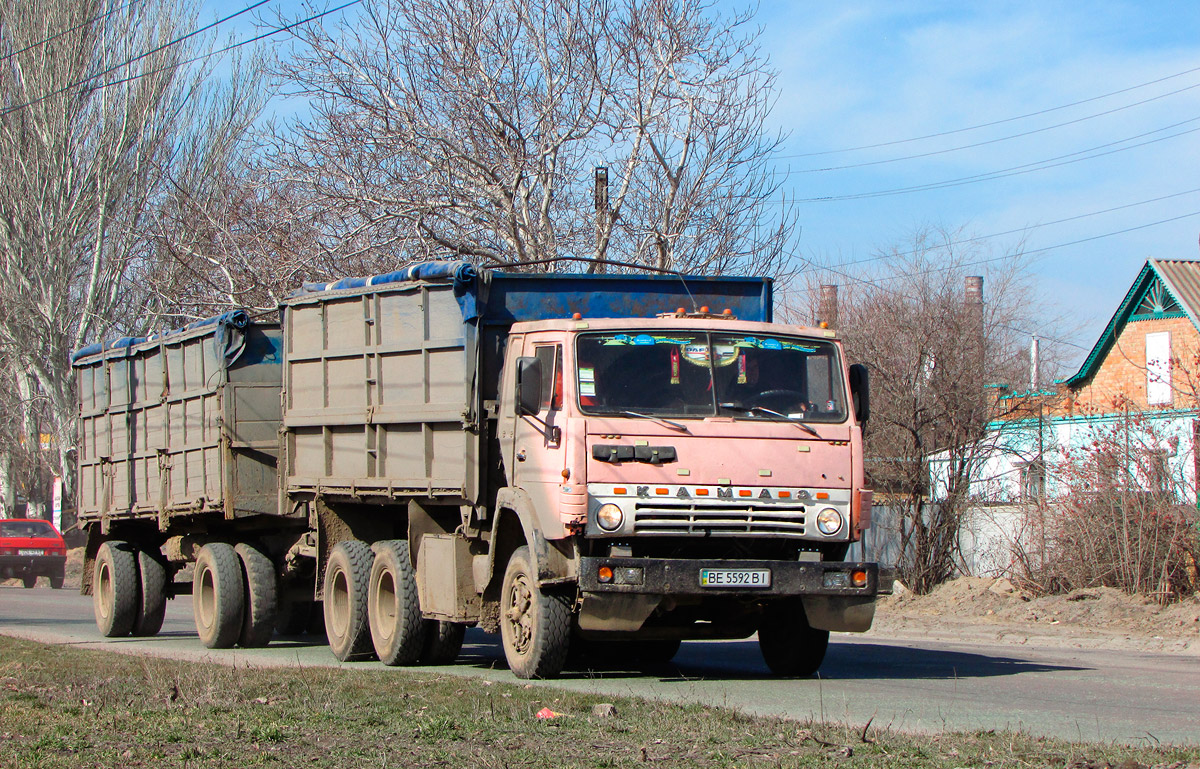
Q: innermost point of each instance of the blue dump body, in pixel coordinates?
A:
(502, 298)
(515, 297)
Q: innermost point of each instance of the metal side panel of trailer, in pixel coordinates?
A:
(171, 426)
(377, 387)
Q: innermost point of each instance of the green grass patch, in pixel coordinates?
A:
(63, 707)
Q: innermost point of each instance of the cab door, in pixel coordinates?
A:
(538, 454)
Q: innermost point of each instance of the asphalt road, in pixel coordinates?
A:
(909, 685)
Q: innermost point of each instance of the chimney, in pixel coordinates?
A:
(974, 302)
(827, 308)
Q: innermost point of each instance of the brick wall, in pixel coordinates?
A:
(1122, 375)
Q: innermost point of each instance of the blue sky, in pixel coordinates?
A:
(866, 73)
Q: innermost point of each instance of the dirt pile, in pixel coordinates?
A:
(996, 609)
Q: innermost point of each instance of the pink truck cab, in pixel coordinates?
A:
(703, 475)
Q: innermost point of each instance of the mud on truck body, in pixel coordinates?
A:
(597, 461)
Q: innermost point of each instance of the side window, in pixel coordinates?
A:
(552, 375)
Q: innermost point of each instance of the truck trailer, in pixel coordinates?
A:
(613, 462)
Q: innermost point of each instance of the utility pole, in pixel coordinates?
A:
(602, 218)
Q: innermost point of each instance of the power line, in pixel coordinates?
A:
(228, 48)
(1024, 229)
(933, 270)
(75, 28)
(999, 122)
(1023, 134)
(139, 57)
(1039, 165)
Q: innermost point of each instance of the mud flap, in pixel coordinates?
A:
(625, 612)
(846, 614)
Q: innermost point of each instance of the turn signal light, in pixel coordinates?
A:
(605, 574)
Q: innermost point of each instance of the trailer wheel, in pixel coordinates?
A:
(152, 603)
(347, 577)
(258, 620)
(115, 589)
(443, 642)
(29, 580)
(397, 630)
(790, 646)
(218, 599)
(535, 627)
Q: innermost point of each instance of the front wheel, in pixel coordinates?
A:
(535, 626)
(790, 646)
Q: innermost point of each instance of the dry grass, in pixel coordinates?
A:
(71, 708)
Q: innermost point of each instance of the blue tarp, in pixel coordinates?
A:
(462, 273)
(228, 342)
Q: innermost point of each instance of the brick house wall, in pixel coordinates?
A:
(1122, 376)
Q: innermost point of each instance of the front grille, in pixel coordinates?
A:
(725, 519)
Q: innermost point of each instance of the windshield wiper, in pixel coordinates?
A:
(659, 420)
(772, 412)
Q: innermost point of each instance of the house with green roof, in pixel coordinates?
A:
(1126, 421)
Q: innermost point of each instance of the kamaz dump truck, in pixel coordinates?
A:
(612, 461)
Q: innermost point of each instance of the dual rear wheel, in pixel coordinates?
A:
(129, 590)
(372, 609)
(233, 593)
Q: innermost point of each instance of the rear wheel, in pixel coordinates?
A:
(347, 580)
(57, 579)
(258, 619)
(218, 598)
(29, 580)
(535, 627)
(115, 589)
(397, 630)
(790, 646)
(152, 603)
(443, 642)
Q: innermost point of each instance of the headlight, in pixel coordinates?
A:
(610, 517)
(829, 521)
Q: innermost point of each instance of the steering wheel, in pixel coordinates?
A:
(792, 396)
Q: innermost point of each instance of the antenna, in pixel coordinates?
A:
(682, 280)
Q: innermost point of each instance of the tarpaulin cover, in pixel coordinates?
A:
(462, 273)
(227, 339)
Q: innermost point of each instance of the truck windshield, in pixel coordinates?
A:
(697, 374)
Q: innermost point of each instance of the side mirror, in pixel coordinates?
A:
(529, 385)
(860, 390)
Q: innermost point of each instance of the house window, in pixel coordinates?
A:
(1033, 482)
(1158, 368)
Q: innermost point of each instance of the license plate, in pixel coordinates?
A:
(29, 552)
(735, 578)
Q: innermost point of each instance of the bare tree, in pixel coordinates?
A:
(474, 128)
(930, 348)
(97, 112)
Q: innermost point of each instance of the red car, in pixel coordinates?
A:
(32, 548)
